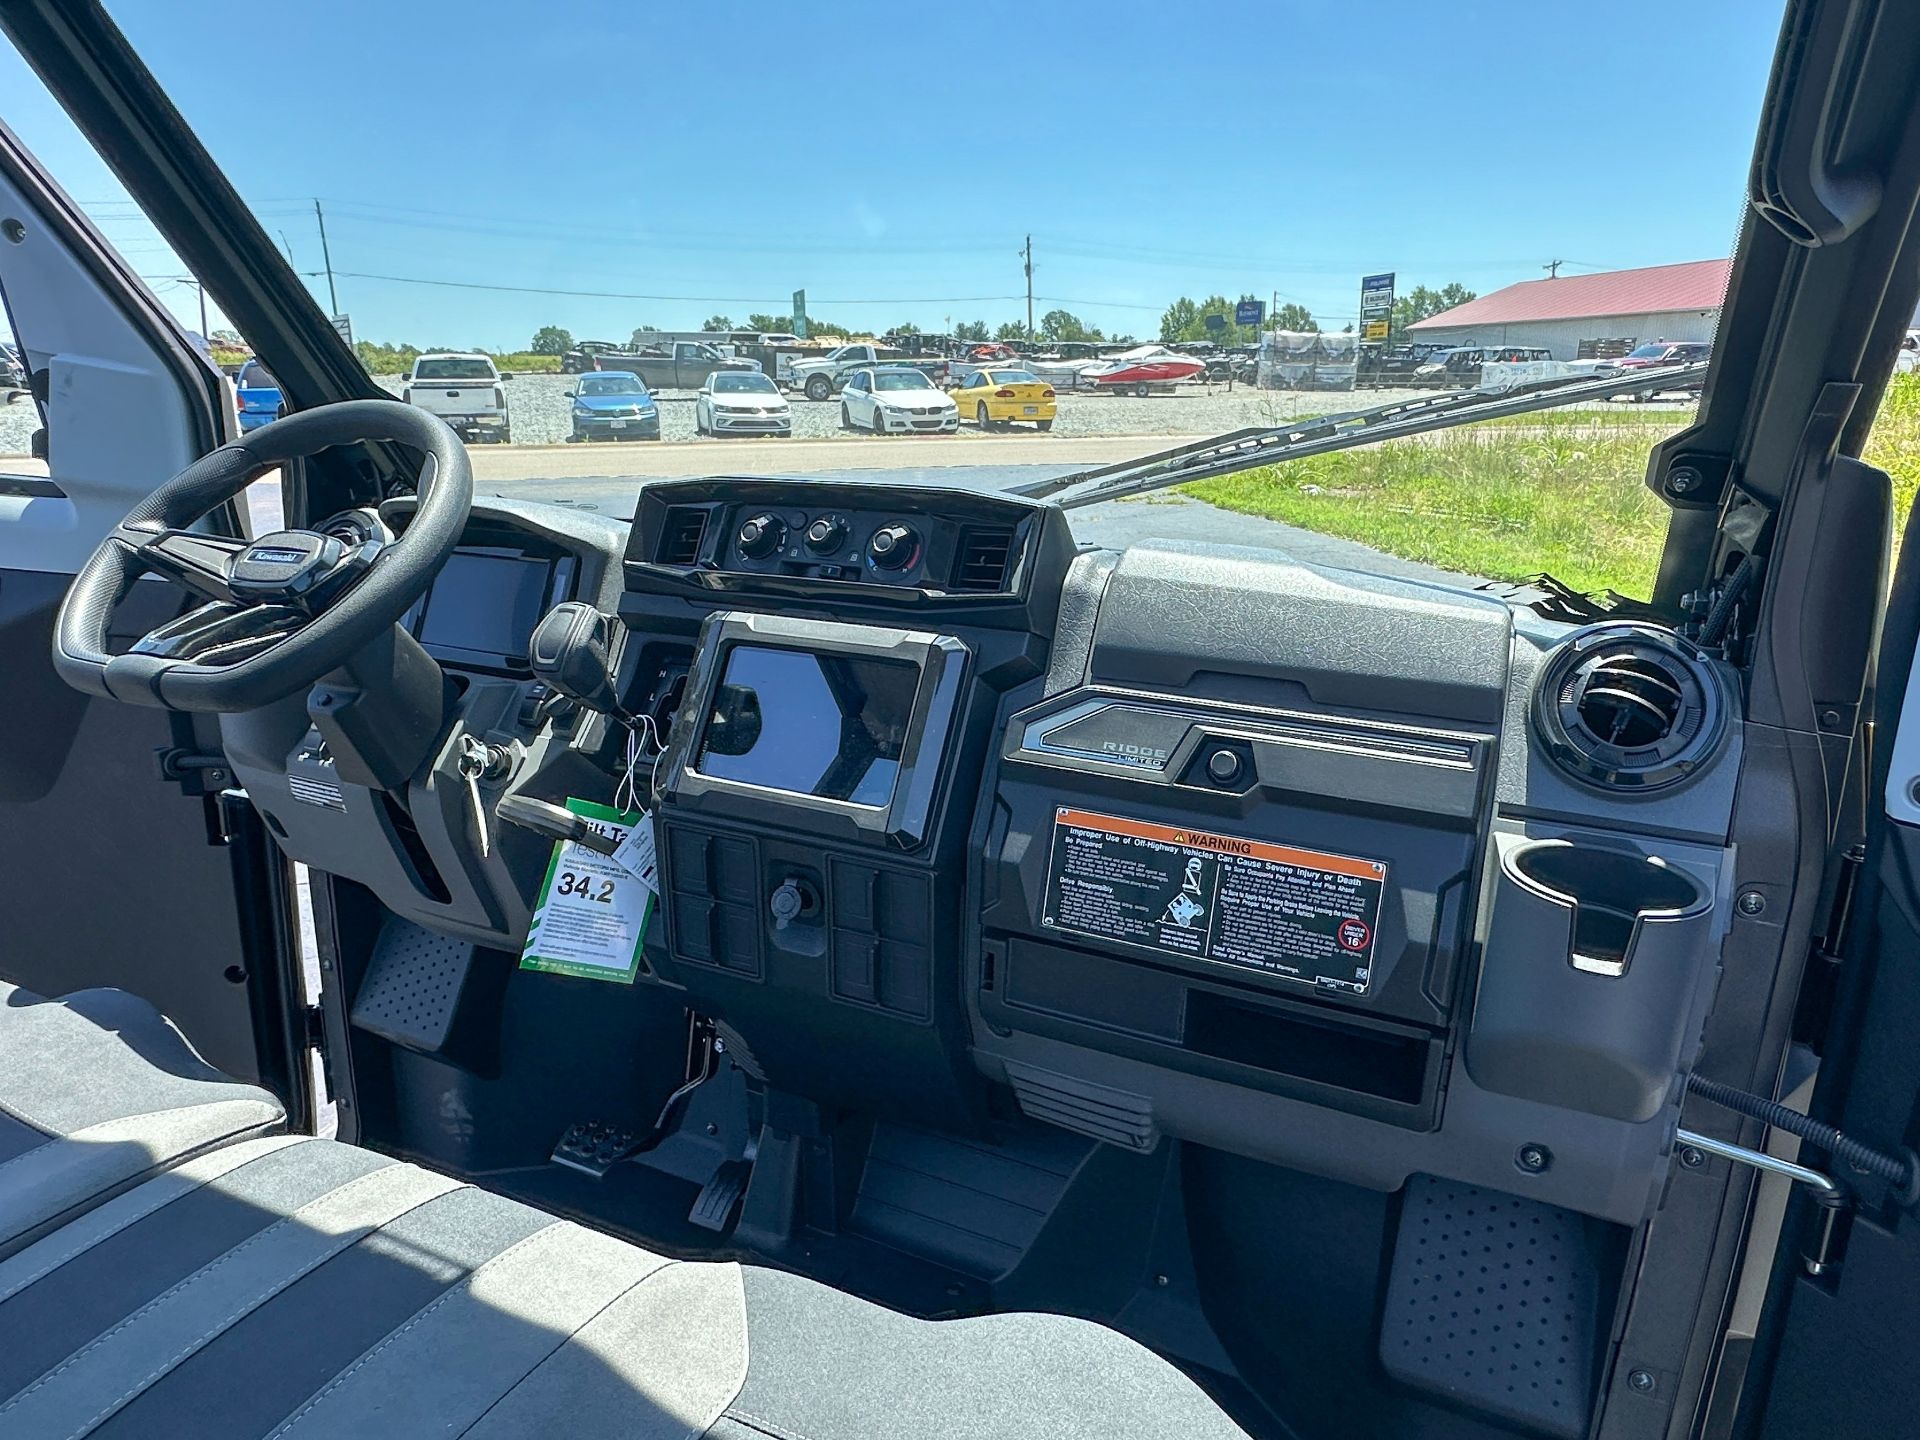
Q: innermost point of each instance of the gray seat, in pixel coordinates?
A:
(98, 1092)
(298, 1287)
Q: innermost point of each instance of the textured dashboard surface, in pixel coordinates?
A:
(1174, 614)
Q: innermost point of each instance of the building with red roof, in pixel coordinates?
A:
(1658, 302)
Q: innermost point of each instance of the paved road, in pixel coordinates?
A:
(670, 460)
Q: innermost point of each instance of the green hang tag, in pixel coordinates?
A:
(591, 918)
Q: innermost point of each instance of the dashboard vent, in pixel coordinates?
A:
(1629, 707)
(680, 540)
(985, 554)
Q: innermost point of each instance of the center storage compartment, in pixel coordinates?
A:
(1368, 1067)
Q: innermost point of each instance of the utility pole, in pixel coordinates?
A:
(1552, 267)
(326, 257)
(1029, 255)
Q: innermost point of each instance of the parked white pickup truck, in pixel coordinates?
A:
(463, 390)
(821, 378)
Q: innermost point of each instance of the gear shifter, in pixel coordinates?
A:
(575, 650)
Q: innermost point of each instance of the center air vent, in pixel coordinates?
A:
(983, 559)
(1628, 707)
(680, 537)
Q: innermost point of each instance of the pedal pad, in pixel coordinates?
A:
(714, 1209)
(594, 1148)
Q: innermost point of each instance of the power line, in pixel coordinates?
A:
(634, 295)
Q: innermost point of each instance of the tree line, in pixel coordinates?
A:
(1184, 320)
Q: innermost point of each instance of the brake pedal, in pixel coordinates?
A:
(718, 1197)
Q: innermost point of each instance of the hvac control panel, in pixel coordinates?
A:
(939, 544)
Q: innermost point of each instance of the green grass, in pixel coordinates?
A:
(398, 359)
(1565, 493)
(1663, 416)
(1894, 445)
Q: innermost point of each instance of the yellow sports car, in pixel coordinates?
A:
(993, 398)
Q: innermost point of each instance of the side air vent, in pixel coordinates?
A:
(1629, 707)
(985, 553)
(680, 538)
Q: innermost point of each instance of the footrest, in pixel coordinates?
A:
(718, 1197)
(1494, 1304)
(594, 1148)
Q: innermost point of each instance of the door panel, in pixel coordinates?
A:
(107, 876)
(110, 875)
(1837, 1348)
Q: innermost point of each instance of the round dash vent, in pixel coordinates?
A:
(1628, 707)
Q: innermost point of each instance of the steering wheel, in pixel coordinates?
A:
(282, 611)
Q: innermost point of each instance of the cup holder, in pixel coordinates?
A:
(1611, 892)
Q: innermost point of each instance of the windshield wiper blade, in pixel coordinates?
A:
(1273, 444)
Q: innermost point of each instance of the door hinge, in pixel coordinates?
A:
(1826, 958)
(316, 1029)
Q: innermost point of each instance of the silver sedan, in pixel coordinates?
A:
(741, 402)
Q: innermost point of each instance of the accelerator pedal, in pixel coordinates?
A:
(721, 1195)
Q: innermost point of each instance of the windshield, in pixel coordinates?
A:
(1012, 377)
(611, 385)
(253, 376)
(453, 369)
(1330, 259)
(743, 382)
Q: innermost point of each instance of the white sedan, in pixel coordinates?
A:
(887, 401)
(741, 402)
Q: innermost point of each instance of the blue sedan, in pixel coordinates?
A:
(614, 405)
(258, 394)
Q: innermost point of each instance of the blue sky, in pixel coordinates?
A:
(727, 154)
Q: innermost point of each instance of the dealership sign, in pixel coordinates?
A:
(1250, 312)
(1376, 306)
(800, 313)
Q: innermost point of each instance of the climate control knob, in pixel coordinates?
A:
(826, 534)
(893, 547)
(761, 536)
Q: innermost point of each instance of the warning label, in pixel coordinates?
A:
(1301, 914)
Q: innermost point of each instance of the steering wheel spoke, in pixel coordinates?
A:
(222, 632)
(203, 563)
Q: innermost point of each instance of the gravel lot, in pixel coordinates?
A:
(539, 407)
(538, 404)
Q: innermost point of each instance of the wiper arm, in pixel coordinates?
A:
(1273, 444)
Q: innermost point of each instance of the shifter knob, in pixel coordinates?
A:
(575, 649)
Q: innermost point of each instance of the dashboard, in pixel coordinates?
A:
(1353, 874)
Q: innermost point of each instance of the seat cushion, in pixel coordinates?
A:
(97, 1092)
(297, 1287)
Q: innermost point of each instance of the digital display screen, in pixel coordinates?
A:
(832, 726)
(486, 604)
